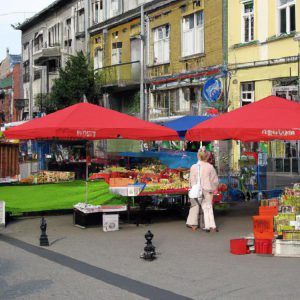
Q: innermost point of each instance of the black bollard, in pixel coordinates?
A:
(44, 238)
(149, 249)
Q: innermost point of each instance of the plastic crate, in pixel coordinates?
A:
(263, 246)
(291, 235)
(287, 248)
(239, 246)
(120, 182)
(263, 227)
(268, 210)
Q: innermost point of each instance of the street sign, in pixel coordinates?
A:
(2, 213)
(212, 90)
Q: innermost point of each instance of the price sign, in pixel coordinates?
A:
(2, 213)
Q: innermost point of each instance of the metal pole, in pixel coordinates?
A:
(31, 70)
(86, 171)
(142, 108)
(298, 70)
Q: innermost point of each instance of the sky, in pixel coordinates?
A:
(12, 12)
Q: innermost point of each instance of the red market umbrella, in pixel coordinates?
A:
(84, 121)
(271, 118)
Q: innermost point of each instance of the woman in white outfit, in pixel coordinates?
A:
(209, 183)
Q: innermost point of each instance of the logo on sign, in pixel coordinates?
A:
(212, 90)
(278, 132)
(86, 133)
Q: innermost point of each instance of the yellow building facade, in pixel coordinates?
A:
(263, 55)
(183, 48)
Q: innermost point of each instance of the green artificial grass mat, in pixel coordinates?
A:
(57, 196)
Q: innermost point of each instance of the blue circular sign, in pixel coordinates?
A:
(212, 90)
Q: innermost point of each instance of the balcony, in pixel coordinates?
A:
(120, 75)
(158, 70)
(44, 53)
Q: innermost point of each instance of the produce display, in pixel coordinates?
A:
(280, 219)
(156, 178)
(48, 177)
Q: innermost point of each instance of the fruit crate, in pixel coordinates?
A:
(239, 246)
(291, 235)
(263, 227)
(263, 246)
(268, 210)
(287, 248)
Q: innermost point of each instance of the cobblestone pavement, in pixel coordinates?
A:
(89, 263)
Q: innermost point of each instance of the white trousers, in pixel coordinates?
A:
(193, 217)
(209, 220)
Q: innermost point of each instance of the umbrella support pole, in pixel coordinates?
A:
(86, 173)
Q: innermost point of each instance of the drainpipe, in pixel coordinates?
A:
(87, 23)
(142, 36)
(225, 48)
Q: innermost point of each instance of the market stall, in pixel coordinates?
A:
(271, 118)
(276, 228)
(151, 180)
(87, 122)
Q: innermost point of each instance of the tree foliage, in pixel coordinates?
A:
(74, 81)
(45, 103)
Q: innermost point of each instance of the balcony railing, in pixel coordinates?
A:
(119, 75)
(45, 52)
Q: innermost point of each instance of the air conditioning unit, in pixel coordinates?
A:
(110, 222)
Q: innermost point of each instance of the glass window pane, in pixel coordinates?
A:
(246, 21)
(248, 7)
(191, 21)
(283, 21)
(292, 18)
(199, 19)
(252, 28)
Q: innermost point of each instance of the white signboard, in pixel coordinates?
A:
(2, 213)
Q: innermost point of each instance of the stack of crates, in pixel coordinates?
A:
(263, 227)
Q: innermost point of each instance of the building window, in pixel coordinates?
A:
(98, 59)
(115, 34)
(68, 43)
(54, 35)
(287, 16)
(38, 41)
(116, 54)
(247, 93)
(53, 65)
(115, 7)
(80, 20)
(25, 51)
(193, 34)
(26, 75)
(248, 22)
(97, 7)
(162, 44)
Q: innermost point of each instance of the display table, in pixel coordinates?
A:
(85, 215)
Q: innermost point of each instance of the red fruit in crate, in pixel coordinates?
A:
(222, 187)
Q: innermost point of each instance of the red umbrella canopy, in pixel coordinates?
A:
(271, 118)
(84, 121)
